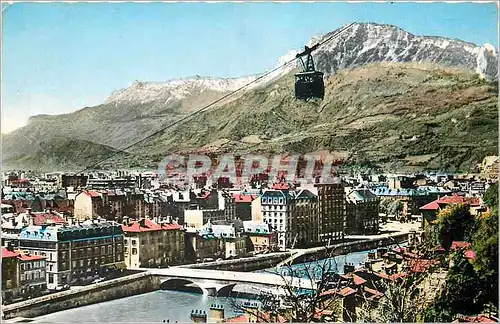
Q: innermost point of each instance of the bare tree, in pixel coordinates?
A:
(405, 298)
(297, 302)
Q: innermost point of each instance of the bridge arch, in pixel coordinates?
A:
(225, 291)
(180, 284)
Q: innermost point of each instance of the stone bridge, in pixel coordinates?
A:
(221, 283)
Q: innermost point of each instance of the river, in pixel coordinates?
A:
(162, 305)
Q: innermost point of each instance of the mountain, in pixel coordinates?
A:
(401, 116)
(369, 43)
(63, 154)
(267, 117)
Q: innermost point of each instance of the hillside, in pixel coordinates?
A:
(64, 154)
(402, 116)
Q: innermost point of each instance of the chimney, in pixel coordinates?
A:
(28, 211)
(216, 313)
(198, 316)
(126, 220)
(142, 222)
(348, 267)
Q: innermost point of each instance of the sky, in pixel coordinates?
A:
(60, 57)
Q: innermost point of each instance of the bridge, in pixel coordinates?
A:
(221, 283)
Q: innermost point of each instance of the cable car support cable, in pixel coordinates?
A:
(309, 50)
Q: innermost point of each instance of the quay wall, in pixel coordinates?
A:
(244, 264)
(80, 296)
(271, 260)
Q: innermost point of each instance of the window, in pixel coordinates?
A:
(134, 251)
(51, 278)
(73, 264)
(81, 263)
(134, 242)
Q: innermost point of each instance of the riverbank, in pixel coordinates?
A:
(144, 282)
(108, 290)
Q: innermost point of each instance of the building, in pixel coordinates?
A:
(196, 218)
(115, 203)
(10, 268)
(257, 209)
(88, 205)
(243, 206)
(259, 238)
(152, 244)
(432, 209)
(277, 207)
(362, 209)
(401, 182)
(23, 275)
(231, 243)
(77, 253)
(331, 211)
(32, 275)
(74, 181)
(304, 221)
(201, 246)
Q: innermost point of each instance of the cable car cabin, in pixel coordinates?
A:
(309, 85)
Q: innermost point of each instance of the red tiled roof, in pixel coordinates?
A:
(24, 257)
(237, 319)
(433, 205)
(397, 275)
(43, 218)
(420, 265)
(474, 319)
(9, 254)
(243, 198)
(391, 277)
(281, 186)
(358, 280)
(373, 291)
(470, 254)
(456, 245)
(346, 291)
(456, 199)
(172, 226)
(149, 226)
(92, 193)
(448, 200)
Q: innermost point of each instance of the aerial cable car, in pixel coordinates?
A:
(309, 83)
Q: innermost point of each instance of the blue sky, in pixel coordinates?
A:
(58, 57)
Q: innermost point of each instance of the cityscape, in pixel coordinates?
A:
(195, 200)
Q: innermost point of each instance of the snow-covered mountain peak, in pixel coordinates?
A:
(175, 89)
(360, 44)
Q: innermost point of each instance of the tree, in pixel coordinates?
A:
(455, 223)
(490, 197)
(404, 300)
(396, 208)
(296, 303)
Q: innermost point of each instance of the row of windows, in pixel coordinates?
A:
(32, 275)
(88, 251)
(273, 200)
(32, 265)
